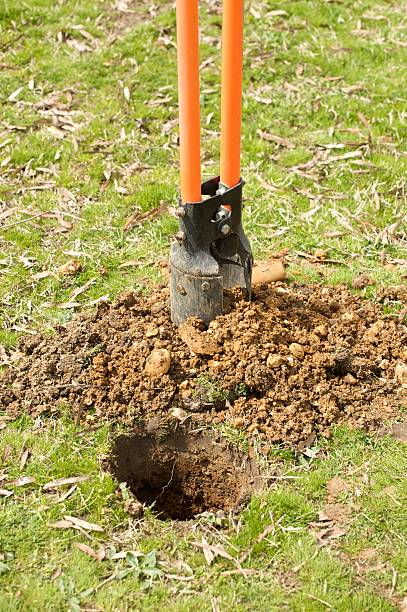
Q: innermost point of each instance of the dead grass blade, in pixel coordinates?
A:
(88, 550)
(76, 522)
(60, 482)
(137, 218)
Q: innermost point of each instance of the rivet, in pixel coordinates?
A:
(205, 286)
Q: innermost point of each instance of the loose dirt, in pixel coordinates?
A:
(183, 473)
(284, 368)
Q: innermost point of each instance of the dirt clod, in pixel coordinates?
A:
(198, 341)
(283, 367)
(158, 363)
(401, 373)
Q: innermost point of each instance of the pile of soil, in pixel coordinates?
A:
(284, 367)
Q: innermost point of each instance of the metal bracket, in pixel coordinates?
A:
(211, 253)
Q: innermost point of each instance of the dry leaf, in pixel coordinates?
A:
(138, 217)
(60, 482)
(132, 263)
(15, 94)
(66, 495)
(43, 274)
(23, 458)
(102, 298)
(330, 533)
(22, 481)
(213, 550)
(82, 289)
(88, 550)
(78, 45)
(344, 157)
(206, 549)
(64, 225)
(61, 525)
(5, 493)
(277, 13)
(83, 524)
(282, 142)
(6, 453)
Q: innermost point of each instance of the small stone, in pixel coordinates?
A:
(158, 363)
(134, 508)
(372, 333)
(296, 350)
(400, 373)
(321, 330)
(215, 365)
(274, 361)
(238, 422)
(152, 331)
(70, 268)
(350, 317)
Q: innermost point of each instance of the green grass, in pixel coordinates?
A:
(75, 144)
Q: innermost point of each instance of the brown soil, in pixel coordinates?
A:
(183, 473)
(284, 367)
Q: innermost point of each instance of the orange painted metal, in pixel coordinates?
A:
(189, 99)
(232, 84)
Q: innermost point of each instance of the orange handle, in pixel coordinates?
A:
(232, 84)
(189, 102)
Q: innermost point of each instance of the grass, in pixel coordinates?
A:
(42, 568)
(88, 135)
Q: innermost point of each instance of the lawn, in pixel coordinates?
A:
(88, 178)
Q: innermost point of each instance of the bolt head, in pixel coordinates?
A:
(205, 286)
(225, 229)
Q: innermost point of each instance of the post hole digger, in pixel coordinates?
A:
(211, 252)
